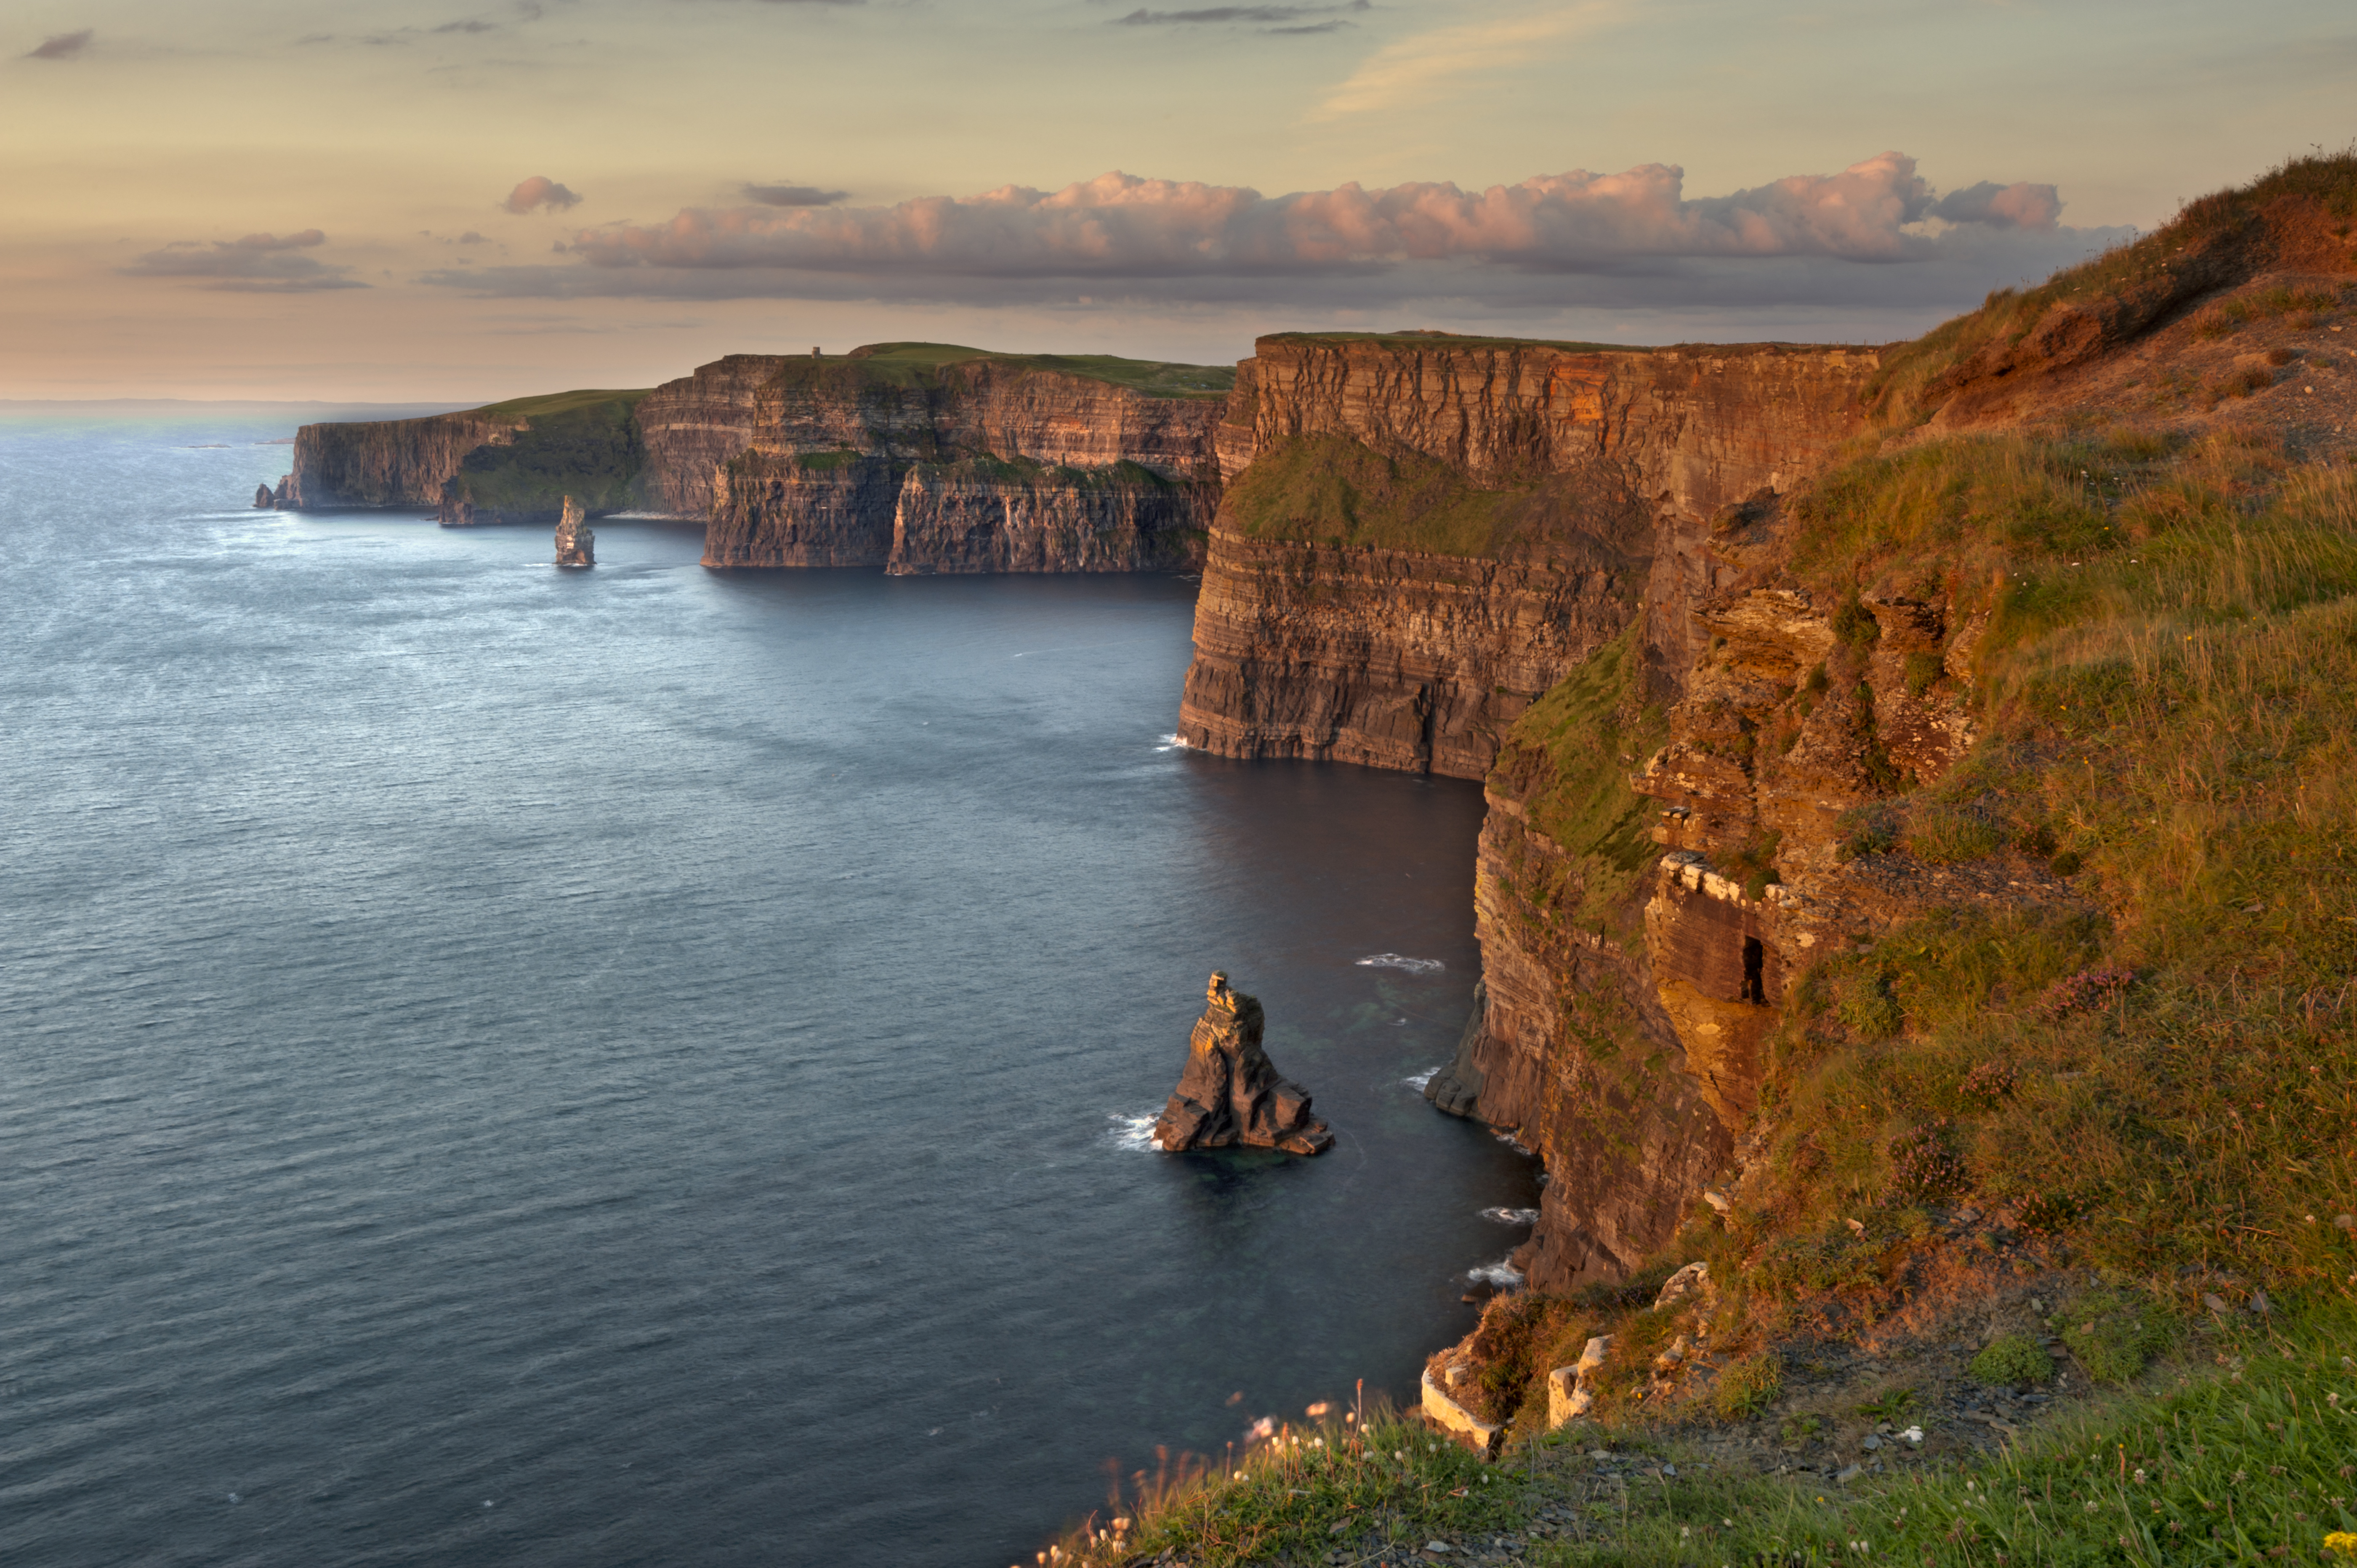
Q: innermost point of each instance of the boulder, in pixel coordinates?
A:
(576, 546)
(1231, 1092)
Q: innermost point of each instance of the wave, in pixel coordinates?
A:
(1511, 1215)
(1171, 743)
(1419, 1080)
(1397, 960)
(1502, 1273)
(1506, 1136)
(1134, 1135)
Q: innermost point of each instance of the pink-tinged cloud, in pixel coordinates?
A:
(1118, 225)
(541, 191)
(2019, 206)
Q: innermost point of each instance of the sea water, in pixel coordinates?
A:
(501, 1065)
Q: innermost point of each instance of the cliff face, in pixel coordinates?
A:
(695, 426)
(1556, 568)
(912, 456)
(1392, 658)
(921, 465)
(389, 463)
(1584, 482)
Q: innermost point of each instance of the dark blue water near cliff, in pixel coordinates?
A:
(499, 1066)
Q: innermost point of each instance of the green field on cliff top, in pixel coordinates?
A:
(908, 364)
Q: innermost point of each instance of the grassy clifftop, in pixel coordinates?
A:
(920, 364)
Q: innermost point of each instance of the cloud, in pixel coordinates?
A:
(61, 45)
(301, 240)
(793, 195)
(1411, 69)
(256, 263)
(1873, 232)
(1118, 225)
(471, 238)
(541, 191)
(1279, 18)
(466, 26)
(2017, 206)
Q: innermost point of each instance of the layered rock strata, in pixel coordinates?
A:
(1604, 468)
(575, 544)
(913, 457)
(387, 463)
(978, 464)
(1230, 1093)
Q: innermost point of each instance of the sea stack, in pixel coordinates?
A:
(262, 498)
(576, 546)
(1231, 1092)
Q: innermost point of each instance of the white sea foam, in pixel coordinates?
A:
(1508, 1138)
(1134, 1133)
(1171, 743)
(1502, 1273)
(1397, 960)
(1418, 1080)
(1511, 1215)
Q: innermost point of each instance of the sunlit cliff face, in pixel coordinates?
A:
(405, 201)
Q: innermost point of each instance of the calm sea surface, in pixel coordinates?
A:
(501, 1066)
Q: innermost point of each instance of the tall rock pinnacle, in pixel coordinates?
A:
(1231, 1092)
(576, 546)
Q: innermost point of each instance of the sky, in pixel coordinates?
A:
(469, 199)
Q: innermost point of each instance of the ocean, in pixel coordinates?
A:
(648, 1065)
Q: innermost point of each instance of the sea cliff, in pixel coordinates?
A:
(922, 459)
(1431, 532)
(914, 458)
(1502, 561)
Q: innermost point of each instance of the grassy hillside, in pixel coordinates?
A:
(914, 364)
(583, 444)
(1333, 490)
(2300, 214)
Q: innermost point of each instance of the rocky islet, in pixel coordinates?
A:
(1230, 1093)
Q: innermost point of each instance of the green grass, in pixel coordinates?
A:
(2243, 1452)
(2168, 706)
(1573, 751)
(1452, 341)
(910, 365)
(1310, 1490)
(1330, 489)
(2011, 1359)
(587, 450)
(546, 403)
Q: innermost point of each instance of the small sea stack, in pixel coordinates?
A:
(263, 499)
(1231, 1092)
(576, 546)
